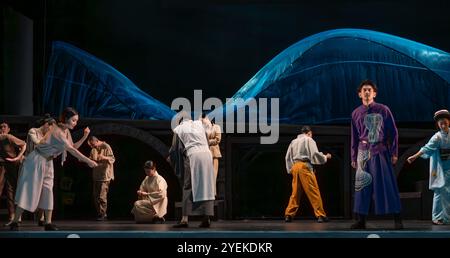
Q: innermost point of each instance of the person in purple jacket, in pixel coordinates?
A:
(374, 150)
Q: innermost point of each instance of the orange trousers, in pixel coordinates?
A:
(304, 180)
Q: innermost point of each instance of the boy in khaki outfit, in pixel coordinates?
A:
(102, 174)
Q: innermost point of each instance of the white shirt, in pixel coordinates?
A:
(303, 148)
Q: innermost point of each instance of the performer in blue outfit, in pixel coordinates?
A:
(374, 149)
(438, 150)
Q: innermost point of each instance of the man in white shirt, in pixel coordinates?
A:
(301, 155)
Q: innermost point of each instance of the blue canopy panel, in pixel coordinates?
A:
(316, 78)
(95, 89)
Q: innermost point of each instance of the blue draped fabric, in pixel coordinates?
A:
(95, 89)
(316, 78)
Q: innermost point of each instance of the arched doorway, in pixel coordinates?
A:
(132, 147)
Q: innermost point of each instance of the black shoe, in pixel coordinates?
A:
(323, 219)
(358, 225)
(205, 224)
(14, 226)
(41, 223)
(102, 218)
(50, 227)
(158, 220)
(398, 225)
(181, 225)
(288, 218)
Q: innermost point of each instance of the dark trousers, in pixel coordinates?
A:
(100, 194)
(8, 178)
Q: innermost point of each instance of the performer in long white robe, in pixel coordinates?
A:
(34, 138)
(152, 203)
(35, 186)
(193, 164)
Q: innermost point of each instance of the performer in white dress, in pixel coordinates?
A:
(35, 186)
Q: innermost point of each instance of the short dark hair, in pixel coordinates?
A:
(92, 138)
(367, 82)
(306, 129)
(4, 122)
(149, 164)
(67, 113)
(46, 119)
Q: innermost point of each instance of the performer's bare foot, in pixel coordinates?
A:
(438, 222)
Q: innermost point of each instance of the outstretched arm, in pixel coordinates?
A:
(85, 136)
(427, 150)
(317, 157)
(81, 157)
(414, 157)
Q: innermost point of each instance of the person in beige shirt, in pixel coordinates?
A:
(152, 204)
(214, 135)
(102, 174)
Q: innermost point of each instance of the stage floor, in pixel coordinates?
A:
(232, 229)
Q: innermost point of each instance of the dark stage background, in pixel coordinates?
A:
(170, 47)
